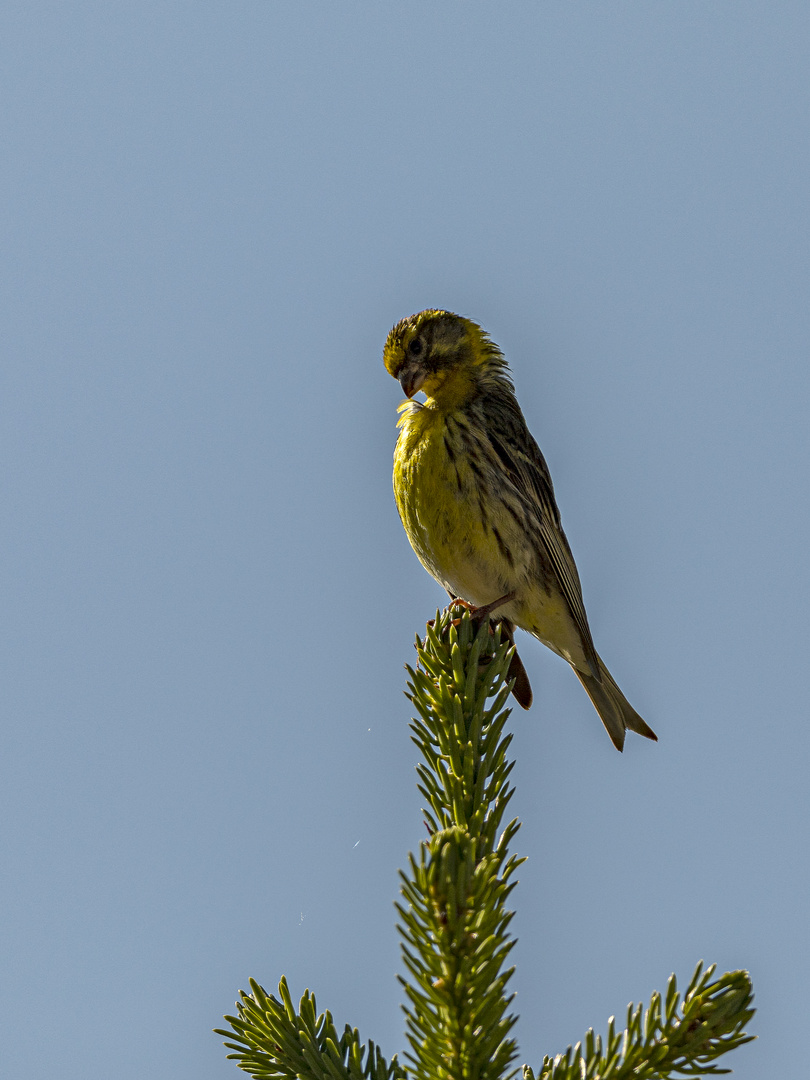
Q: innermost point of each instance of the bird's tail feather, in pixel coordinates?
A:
(615, 711)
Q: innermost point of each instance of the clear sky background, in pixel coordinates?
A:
(212, 214)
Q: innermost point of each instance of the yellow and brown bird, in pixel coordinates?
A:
(476, 499)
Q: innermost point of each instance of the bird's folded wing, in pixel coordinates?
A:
(527, 469)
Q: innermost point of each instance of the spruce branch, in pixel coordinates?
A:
(454, 922)
(273, 1041)
(664, 1042)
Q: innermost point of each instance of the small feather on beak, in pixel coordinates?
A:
(411, 378)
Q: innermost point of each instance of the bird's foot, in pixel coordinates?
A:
(478, 614)
(522, 689)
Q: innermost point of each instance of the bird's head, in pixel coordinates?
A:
(445, 355)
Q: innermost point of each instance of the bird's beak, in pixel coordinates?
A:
(411, 378)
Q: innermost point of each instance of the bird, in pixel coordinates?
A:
(475, 496)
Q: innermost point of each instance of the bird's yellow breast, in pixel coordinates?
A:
(469, 526)
(443, 507)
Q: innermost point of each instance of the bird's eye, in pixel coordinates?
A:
(415, 347)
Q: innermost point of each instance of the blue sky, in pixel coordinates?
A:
(211, 216)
